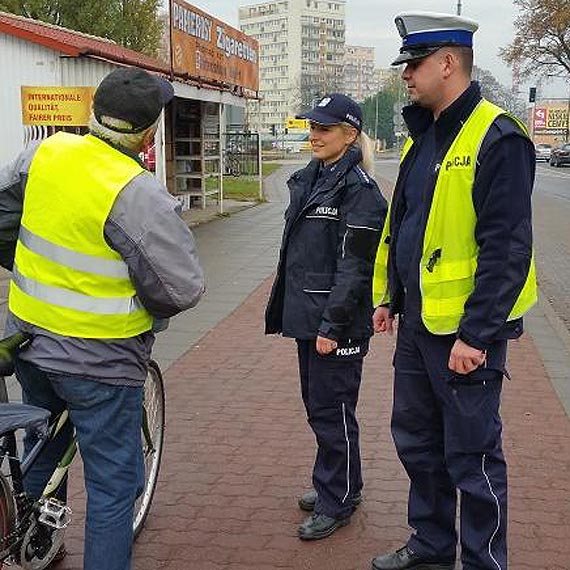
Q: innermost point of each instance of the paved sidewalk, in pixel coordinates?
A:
(238, 450)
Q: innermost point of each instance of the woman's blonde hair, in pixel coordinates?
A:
(366, 145)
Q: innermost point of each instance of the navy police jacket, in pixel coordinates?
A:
(502, 199)
(324, 276)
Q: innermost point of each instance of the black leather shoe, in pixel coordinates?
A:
(405, 558)
(320, 526)
(308, 500)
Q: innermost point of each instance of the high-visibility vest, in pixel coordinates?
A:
(66, 279)
(450, 252)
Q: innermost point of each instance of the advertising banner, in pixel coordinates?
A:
(206, 48)
(56, 106)
(550, 120)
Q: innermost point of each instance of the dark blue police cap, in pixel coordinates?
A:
(423, 33)
(334, 109)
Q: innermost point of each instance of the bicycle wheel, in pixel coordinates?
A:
(152, 442)
(7, 517)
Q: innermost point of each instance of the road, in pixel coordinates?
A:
(551, 203)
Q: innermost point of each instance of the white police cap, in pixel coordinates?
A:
(423, 33)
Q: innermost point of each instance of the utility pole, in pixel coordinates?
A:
(376, 118)
(459, 7)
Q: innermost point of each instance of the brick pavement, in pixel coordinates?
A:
(238, 451)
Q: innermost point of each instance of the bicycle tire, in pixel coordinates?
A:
(152, 442)
(7, 517)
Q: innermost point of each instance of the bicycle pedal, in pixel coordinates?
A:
(54, 513)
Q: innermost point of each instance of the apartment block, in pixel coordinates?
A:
(359, 76)
(301, 46)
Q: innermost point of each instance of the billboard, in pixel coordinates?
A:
(550, 120)
(56, 106)
(206, 48)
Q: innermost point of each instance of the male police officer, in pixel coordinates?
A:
(101, 251)
(455, 262)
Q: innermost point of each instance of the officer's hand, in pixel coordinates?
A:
(464, 358)
(383, 321)
(325, 345)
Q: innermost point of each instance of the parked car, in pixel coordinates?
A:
(560, 155)
(543, 151)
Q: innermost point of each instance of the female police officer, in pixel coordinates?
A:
(322, 297)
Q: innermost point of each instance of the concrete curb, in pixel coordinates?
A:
(552, 340)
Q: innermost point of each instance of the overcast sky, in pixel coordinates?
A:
(371, 23)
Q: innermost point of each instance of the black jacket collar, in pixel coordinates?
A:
(316, 172)
(418, 119)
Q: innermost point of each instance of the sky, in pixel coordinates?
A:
(371, 23)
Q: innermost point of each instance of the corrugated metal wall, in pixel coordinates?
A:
(26, 63)
(79, 72)
(22, 63)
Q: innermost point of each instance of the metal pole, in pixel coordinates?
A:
(376, 119)
(222, 151)
(568, 114)
(259, 155)
(459, 7)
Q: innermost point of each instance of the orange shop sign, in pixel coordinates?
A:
(205, 47)
(56, 106)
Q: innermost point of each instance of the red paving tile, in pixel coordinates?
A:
(238, 452)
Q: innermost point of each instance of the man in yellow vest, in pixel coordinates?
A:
(100, 254)
(455, 263)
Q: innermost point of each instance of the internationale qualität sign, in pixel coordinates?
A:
(56, 106)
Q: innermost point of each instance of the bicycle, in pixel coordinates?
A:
(232, 165)
(31, 530)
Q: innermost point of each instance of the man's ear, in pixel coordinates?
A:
(149, 136)
(450, 62)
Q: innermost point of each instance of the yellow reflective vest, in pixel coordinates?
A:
(450, 252)
(66, 279)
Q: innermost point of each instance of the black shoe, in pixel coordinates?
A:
(308, 500)
(320, 526)
(405, 558)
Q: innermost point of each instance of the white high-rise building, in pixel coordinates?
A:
(359, 77)
(301, 47)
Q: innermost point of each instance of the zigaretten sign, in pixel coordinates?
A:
(205, 47)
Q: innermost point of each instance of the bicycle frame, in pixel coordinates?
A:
(28, 512)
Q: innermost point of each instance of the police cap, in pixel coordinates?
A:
(423, 33)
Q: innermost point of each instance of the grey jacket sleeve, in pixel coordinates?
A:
(146, 229)
(13, 179)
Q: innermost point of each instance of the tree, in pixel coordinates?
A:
(385, 127)
(132, 23)
(497, 93)
(542, 41)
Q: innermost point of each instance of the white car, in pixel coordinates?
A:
(543, 151)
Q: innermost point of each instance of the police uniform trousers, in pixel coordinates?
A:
(447, 431)
(329, 387)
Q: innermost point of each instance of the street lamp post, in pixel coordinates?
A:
(376, 118)
(459, 7)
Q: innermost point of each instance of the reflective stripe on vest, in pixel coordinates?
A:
(450, 252)
(66, 277)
